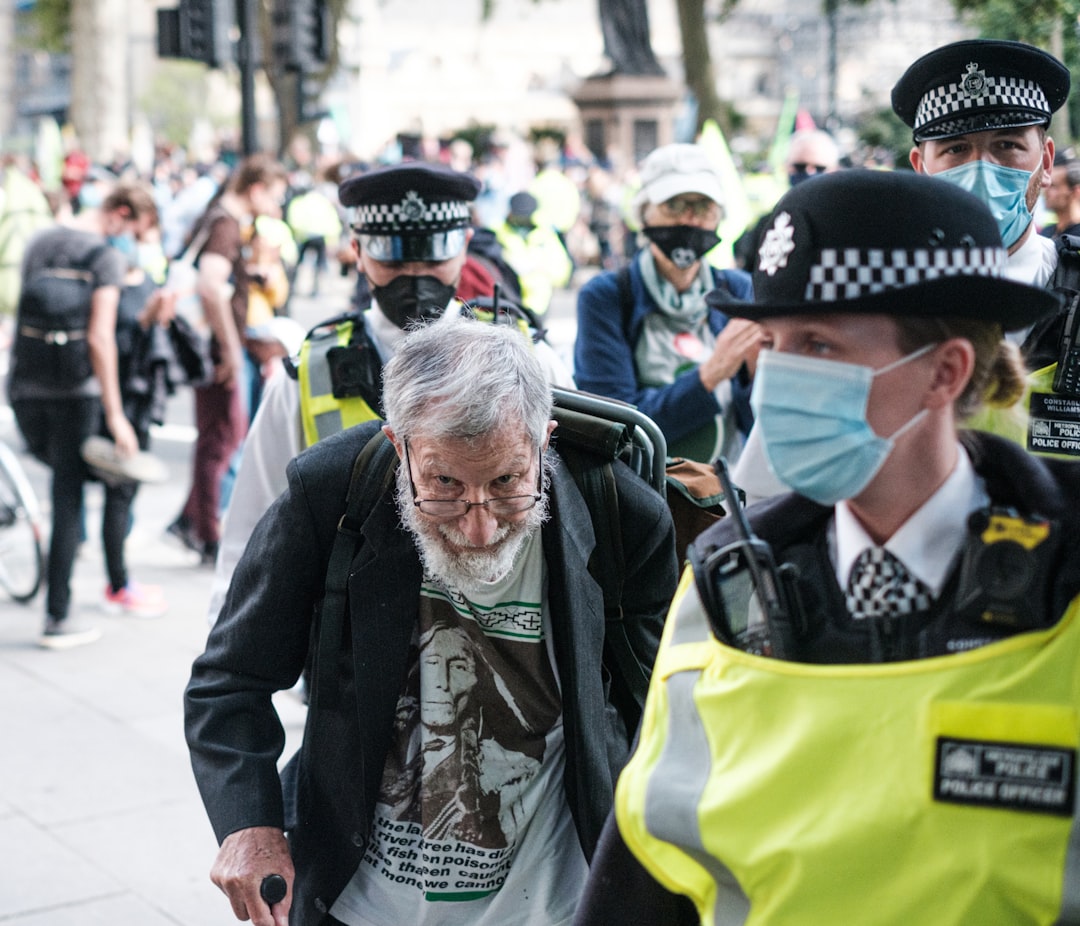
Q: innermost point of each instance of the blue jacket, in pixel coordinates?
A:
(604, 355)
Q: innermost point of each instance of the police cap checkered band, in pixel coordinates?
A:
(412, 214)
(437, 246)
(885, 243)
(411, 198)
(1010, 100)
(979, 85)
(850, 273)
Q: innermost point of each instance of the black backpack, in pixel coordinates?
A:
(54, 310)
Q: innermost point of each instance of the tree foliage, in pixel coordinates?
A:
(1050, 24)
(51, 21)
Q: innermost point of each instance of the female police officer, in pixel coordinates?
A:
(871, 717)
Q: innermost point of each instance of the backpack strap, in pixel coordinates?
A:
(373, 470)
(85, 266)
(590, 462)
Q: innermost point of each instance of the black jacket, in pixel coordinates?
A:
(260, 643)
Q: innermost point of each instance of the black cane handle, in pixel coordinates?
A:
(273, 889)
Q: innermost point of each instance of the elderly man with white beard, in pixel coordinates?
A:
(470, 581)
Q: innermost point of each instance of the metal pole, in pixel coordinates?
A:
(247, 20)
(831, 7)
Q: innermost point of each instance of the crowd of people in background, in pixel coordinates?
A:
(548, 215)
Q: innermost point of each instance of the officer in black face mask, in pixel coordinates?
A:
(645, 334)
(411, 224)
(411, 228)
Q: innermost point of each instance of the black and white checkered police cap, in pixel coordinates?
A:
(410, 211)
(979, 85)
(886, 242)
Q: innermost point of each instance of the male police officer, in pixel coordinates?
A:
(411, 230)
(979, 112)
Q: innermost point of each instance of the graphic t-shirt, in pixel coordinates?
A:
(472, 825)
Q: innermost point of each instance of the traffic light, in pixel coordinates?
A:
(204, 27)
(309, 105)
(302, 35)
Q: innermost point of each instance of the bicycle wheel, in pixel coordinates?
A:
(21, 558)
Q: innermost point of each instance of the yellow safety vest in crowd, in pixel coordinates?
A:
(320, 412)
(1054, 418)
(938, 791)
(539, 260)
(1044, 422)
(312, 215)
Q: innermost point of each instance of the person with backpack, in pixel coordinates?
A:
(436, 570)
(645, 334)
(63, 379)
(219, 246)
(411, 229)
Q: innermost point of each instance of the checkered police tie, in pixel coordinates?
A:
(881, 586)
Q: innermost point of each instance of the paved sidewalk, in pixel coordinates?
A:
(100, 820)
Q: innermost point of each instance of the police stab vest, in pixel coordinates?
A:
(938, 791)
(339, 380)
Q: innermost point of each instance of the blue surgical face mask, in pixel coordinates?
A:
(90, 196)
(1003, 189)
(811, 416)
(125, 243)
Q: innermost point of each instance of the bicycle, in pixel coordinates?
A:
(21, 557)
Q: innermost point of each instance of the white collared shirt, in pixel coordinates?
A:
(1032, 263)
(928, 542)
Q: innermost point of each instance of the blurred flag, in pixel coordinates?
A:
(737, 210)
(785, 127)
(49, 152)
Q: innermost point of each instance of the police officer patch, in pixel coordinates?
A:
(1007, 776)
(412, 206)
(778, 243)
(974, 82)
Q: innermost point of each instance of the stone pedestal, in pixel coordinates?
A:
(627, 115)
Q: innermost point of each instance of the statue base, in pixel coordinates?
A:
(625, 116)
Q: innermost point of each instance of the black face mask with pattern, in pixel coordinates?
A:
(684, 245)
(408, 299)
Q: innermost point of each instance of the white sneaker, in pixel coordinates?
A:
(68, 633)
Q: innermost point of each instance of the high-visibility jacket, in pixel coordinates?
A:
(934, 791)
(321, 413)
(1045, 422)
(539, 260)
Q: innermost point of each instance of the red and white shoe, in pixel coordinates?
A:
(135, 600)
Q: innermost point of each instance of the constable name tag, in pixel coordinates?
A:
(1054, 425)
(1038, 779)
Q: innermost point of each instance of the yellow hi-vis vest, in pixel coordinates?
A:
(320, 412)
(1045, 422)
(937, 791)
